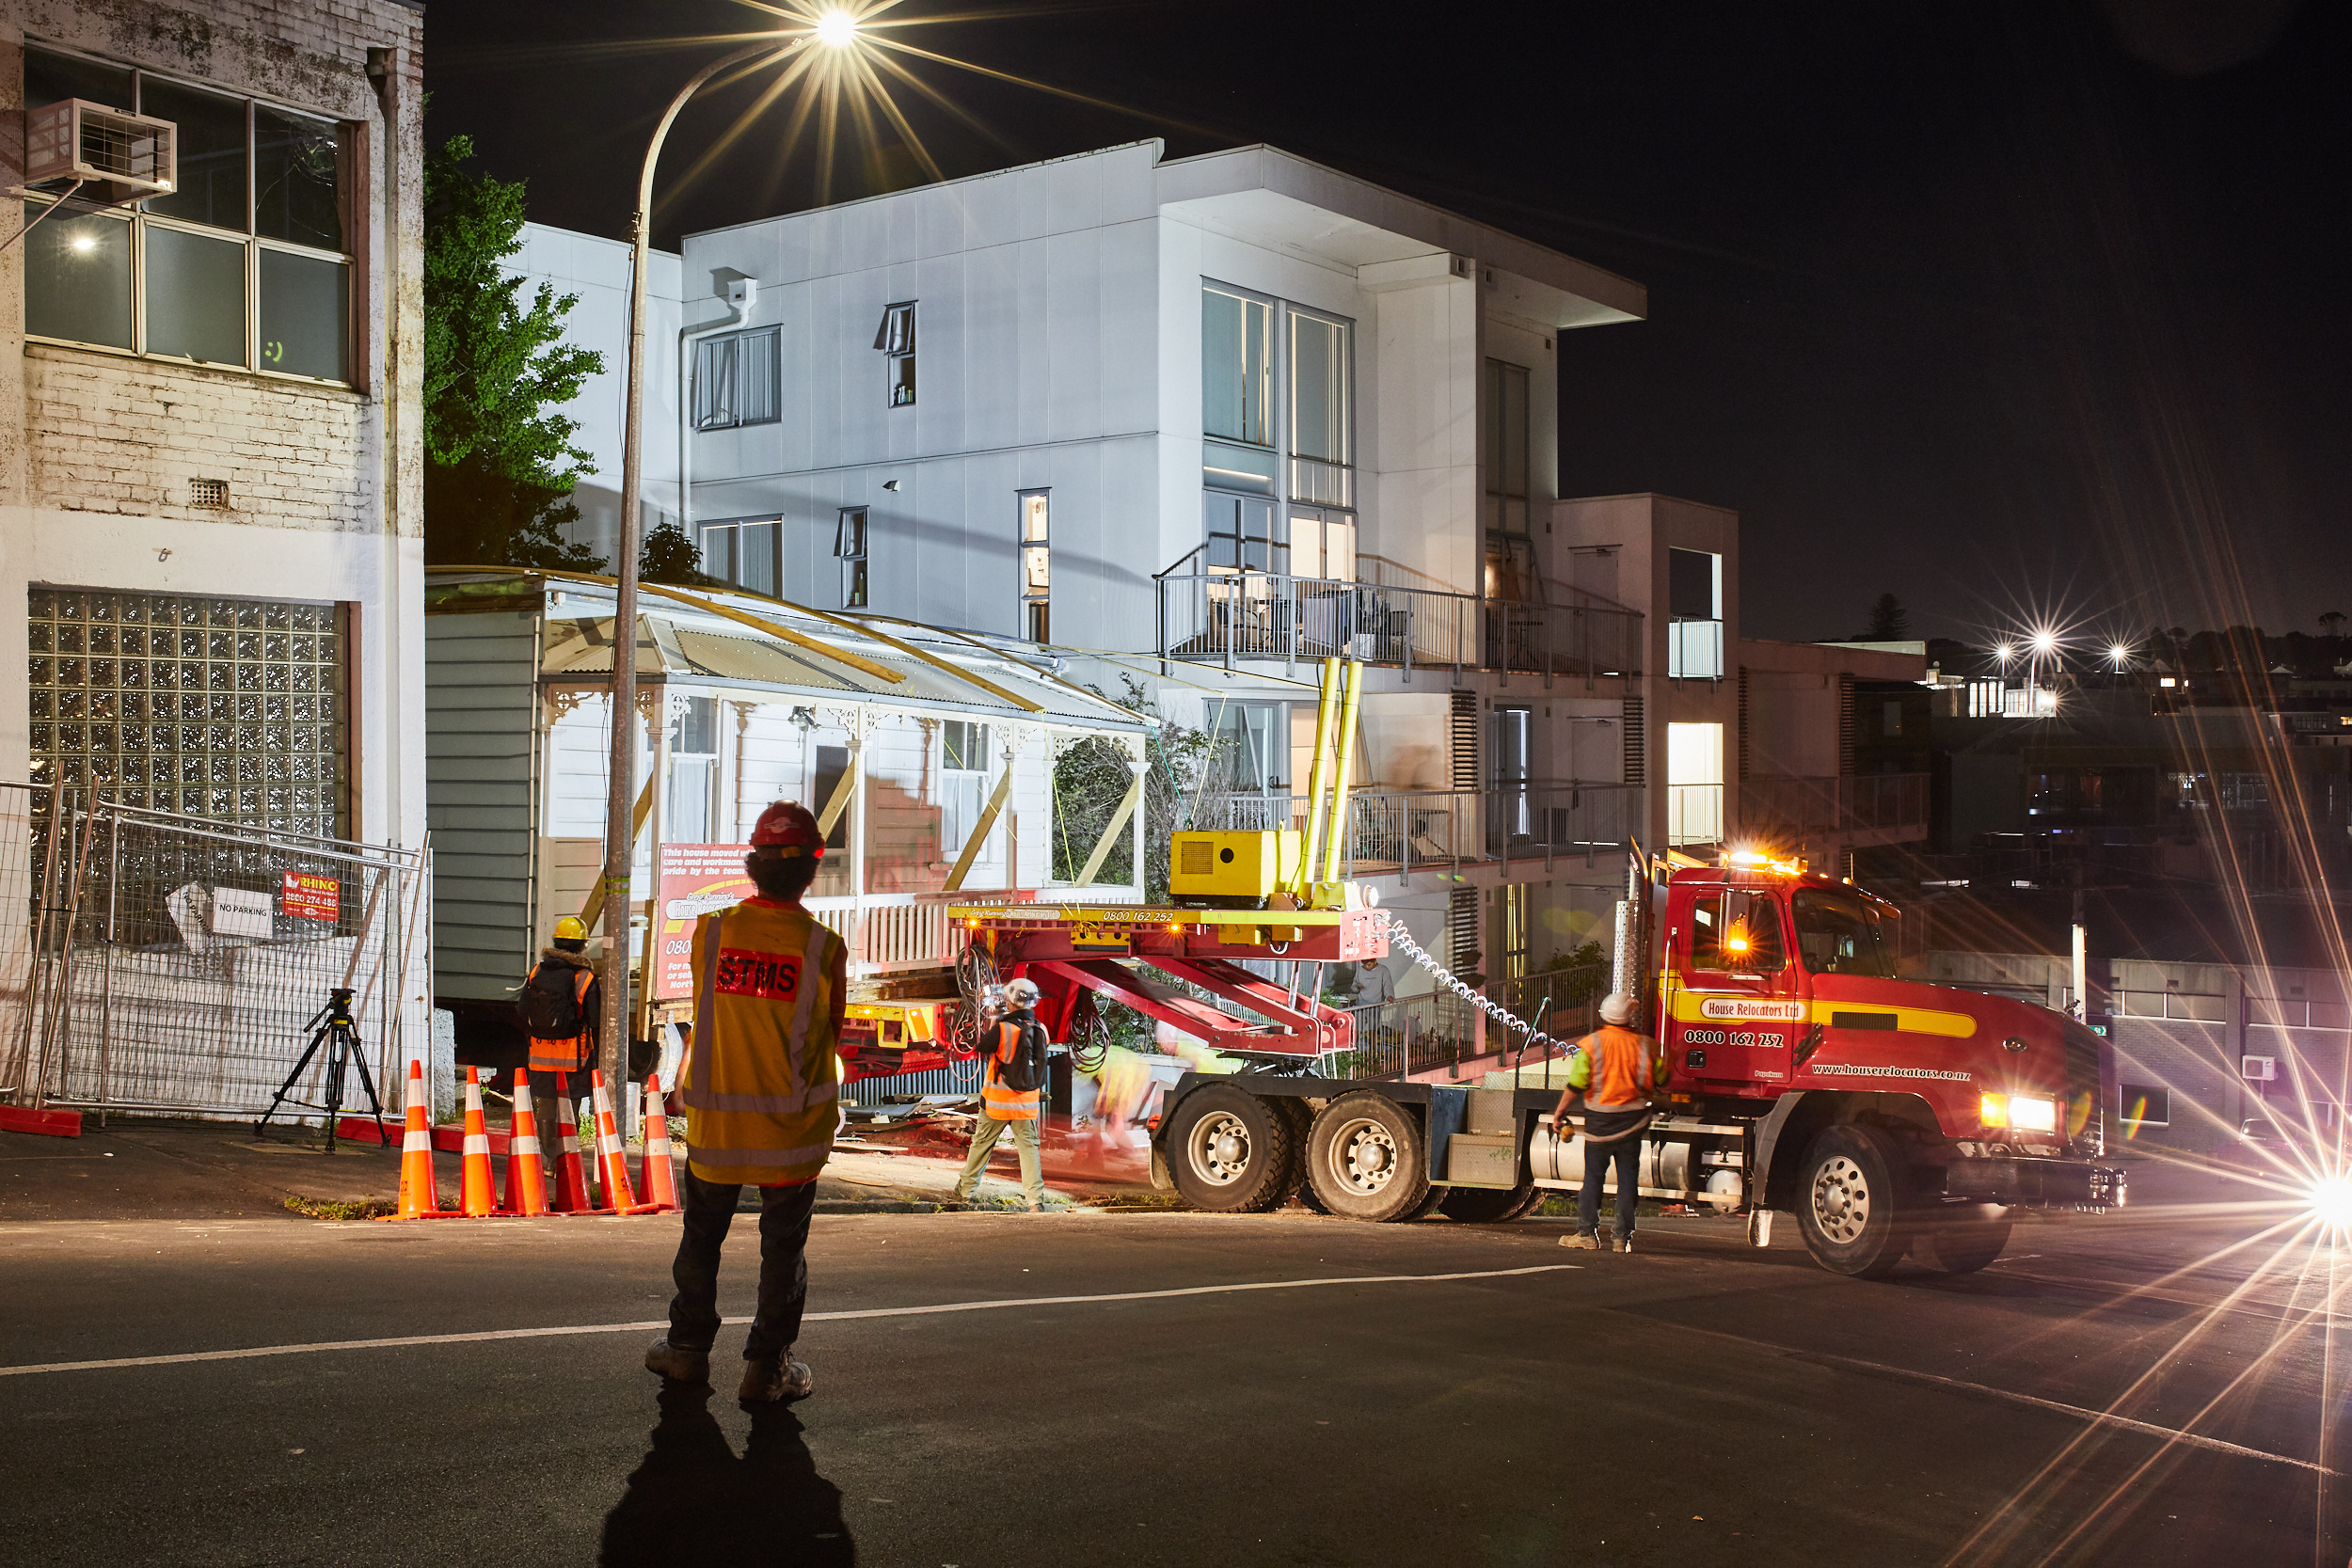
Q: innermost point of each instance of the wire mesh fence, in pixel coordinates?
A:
(157, 962)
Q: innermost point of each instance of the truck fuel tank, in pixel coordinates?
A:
(1683, 1160)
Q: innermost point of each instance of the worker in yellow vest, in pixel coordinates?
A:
(1010, 1094)
(761, 1087)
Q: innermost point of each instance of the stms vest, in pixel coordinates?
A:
(761, 1084)
(1617, 1068)
(998, 1102)
(572, 1055)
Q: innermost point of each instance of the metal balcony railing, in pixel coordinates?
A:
(1397, 832)
(1796, 807)
(1232, 616)
(1694, 649)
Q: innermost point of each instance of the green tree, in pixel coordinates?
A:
(500, 458)
(667, 555)
(1889, 621)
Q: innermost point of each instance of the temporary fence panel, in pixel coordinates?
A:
(180, 965)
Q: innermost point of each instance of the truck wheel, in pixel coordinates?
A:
(1847, 1204)
(1302, 1120)
(1488, 1205)
(1961, 1238)
(1365, 1158)
(1230, 1152)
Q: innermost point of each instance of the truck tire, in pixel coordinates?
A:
(1489, 1205)
(1230, 1152)
(1302, 1120)
(1847, 1204)
(1961, 1238)
(1365, 1160)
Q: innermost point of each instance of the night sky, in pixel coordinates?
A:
(2006, 310)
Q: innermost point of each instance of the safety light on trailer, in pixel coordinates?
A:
(1175, 928)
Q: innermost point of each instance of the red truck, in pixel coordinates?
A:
(1893, 1117)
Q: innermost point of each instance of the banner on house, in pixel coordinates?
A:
(695, 879)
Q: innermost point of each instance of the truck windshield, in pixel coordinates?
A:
(1839, 932)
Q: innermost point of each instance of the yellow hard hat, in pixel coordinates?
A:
(571, 930)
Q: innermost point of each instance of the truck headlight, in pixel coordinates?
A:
(1993, 1110)
(2031, 1114)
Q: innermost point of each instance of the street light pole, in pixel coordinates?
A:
(620, 835)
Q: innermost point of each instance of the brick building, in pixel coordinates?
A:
(210, 448)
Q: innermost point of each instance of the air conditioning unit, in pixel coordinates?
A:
(2257, 1069)
(126, 156)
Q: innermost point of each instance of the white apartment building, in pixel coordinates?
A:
(210, 445)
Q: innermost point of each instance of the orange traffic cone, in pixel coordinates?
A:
(477, 1194)
(418, 1198)
(659, 1175)
(526, 1169)
(571, 1183)
(611, 1158)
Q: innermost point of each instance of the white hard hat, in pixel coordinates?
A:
(1021, 992)
(1616, 1007)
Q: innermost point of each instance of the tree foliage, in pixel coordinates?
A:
(1889, 621)
(1092, 780)
(499, 457)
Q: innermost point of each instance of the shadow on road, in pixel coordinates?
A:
(694, 1500)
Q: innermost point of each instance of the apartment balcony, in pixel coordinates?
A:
(1234, 617)
(1847, 812)
(1694, 649)
(1518, 834)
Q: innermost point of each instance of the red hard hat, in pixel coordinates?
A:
(787, 827)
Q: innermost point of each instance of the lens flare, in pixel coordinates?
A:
(2330, 1202)
(835, 28)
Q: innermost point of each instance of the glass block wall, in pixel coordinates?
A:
(226, 709)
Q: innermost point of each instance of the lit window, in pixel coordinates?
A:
(963, 780)
(1036, 565)
(848, 548)
(895, 338)
(739, 379)
(1695, 784)
(246, 263)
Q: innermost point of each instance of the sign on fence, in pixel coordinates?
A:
(305, 896)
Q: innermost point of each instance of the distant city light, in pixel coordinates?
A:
(2119, 656)
(2004, 652)
(2046, 643)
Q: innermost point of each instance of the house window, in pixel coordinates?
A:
(1510, 557)
(248, 264)
(742, 553)
(1236, 389)
(1322, 389)
(1244, 535)
(1695, 784)
(848, 548)
(963, 781)
(1695, 616)
(693, 771)
(895, 339)
(1036, 565)
(226, 709)
(739, 379)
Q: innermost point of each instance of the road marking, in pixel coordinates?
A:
(488, 1335)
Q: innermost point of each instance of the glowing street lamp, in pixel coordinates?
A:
(834, 29)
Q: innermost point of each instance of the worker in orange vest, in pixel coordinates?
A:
(1010, 1094)
(558, 1005)
(1617, 1076)
(761, 1088)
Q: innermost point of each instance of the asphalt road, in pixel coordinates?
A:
(1698, 1402)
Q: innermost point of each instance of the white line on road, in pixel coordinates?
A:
(813, 1317)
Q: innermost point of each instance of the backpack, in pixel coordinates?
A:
(548, 1007)
(1026, 1071)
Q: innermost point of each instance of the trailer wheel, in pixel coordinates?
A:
(1302, 1119)
(1961, 1238)
(1365, 1158)
(1489, 1205)
(1846, 1203)
(1230, 1152)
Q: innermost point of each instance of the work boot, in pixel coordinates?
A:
(1624, 1244)
(767, 1381)
(678, 1363)
(1584, 1239)
(1037, 1208)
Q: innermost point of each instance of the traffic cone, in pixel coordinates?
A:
(612, 1159)
(659, 1175)
(477, 1193)
(418, 1198)
(571, 1183)
(526, 1169)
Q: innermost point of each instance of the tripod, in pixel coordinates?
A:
(332, 1027)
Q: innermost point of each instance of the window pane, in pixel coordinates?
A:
(194, 296)
(306, 316)
(719, 552)
(759, 376)
(77, 277)
(1319, 388)
(52, 78)
(1236, 372)
(714, 383)
(212, 154)
(298, 164)
(755, 567)
(1033, 513)
(901, 380)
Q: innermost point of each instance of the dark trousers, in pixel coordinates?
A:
(1625, 1154)
(782, 1266)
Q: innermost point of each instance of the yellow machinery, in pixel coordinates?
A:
(1232, 870)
